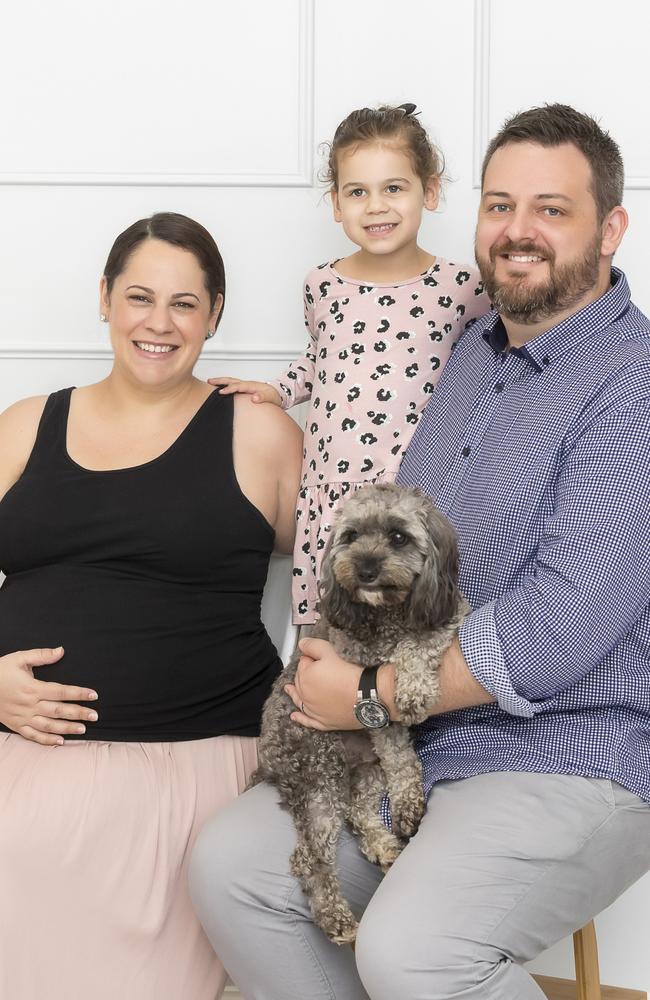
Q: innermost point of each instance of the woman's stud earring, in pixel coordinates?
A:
(103, 318)
(209, 334)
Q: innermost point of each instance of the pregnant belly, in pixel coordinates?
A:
(159, 655)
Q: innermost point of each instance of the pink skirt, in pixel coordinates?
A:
(95, 840)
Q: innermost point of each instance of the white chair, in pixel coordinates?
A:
(276, 606)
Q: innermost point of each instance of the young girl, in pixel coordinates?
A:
(382, 323)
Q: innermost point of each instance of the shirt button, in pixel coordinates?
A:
(499, 387)
(466, 451)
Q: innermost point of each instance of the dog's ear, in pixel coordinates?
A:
(334, 604)
(435, 592)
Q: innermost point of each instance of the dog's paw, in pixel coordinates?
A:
(349, 937)
(407, 825)
(342, 928)
(383, 851)
(407, 816)
(387, 857)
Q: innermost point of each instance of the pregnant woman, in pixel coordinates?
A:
(137, 517)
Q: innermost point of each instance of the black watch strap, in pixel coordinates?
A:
(368, 681)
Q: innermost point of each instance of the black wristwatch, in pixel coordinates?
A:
(369, 710)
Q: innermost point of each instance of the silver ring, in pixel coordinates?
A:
(302, 708)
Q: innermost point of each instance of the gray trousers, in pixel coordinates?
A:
(503, 866)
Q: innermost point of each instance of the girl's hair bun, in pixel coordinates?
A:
(385, 123)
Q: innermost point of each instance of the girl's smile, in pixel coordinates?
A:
(380, 230)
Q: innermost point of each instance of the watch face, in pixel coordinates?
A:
(371, 714)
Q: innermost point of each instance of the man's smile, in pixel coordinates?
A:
(523, 258)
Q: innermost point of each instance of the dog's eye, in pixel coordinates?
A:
(398, 539)
(349, 537)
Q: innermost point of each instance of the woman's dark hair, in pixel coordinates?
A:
(385, 124)
(556, 124)
(180, 231)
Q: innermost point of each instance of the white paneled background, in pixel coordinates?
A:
(216, 109)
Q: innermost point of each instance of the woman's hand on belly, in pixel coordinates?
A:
(40, 710)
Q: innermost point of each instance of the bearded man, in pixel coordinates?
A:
(536, 445)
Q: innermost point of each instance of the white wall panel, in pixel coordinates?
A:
(578, 53)
(55, 241)
(158, 92)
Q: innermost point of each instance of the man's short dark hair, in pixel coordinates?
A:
(555, 124)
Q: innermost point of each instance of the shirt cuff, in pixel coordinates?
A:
(286, 399)
(481, 648)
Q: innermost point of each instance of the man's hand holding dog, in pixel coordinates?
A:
(326, 688)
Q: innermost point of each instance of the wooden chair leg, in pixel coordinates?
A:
(585, 950)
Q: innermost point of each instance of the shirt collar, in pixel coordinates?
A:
(540, 352)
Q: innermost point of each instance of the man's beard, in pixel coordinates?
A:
(526, 303)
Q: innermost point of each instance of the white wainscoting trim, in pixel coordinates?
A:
(302, 177)
(481, 129)
(85, 352)
(482, 20)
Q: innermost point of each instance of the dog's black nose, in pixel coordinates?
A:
(367, 571)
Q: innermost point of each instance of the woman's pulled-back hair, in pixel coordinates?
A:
(179, 231)
(384, 124)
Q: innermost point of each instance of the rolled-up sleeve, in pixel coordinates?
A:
(481, 648)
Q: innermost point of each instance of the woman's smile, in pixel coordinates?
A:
(154, 350)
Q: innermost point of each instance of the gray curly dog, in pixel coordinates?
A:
(388, 594)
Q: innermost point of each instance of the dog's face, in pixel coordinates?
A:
(390, 546)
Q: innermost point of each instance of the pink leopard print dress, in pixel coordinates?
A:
(374, 356)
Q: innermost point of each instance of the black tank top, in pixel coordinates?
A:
(150, 577)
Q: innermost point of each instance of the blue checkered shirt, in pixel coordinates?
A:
(540, 457)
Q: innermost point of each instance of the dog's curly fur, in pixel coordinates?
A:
(388, 594)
